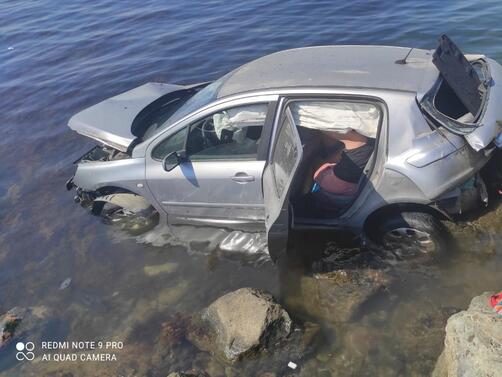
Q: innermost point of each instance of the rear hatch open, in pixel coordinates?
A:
(467, 97)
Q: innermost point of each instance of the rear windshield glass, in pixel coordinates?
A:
(442, 97)
(444, 106)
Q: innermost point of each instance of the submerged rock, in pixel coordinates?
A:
(338, 295)
(8, 325)
(473, 342)
(175, 329)
(160, 268)
(248, 322)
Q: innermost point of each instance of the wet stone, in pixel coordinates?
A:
(9, 323)
(248, 323)
(236, 323)
(473, 342)
(28, 324)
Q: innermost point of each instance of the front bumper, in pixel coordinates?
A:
(84, 198)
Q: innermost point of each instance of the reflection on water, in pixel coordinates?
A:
(56, 59)
(238, 245)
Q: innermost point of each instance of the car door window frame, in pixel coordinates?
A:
(381, 143)
(198, 115)
(224, 157)
(286, 99)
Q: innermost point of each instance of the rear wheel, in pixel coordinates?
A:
(410, 235)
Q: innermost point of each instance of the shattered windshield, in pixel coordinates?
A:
(198, 100)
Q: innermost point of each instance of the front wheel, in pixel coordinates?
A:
(410, 235)
(132, 222)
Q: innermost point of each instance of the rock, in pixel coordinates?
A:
(473, 342)
(247, 322)
(9, 323)
(174, 330)
(240, 323)
(160, 268)
(170, 295)
(338, 295)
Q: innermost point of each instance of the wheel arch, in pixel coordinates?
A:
(119, 196)
(394, 208)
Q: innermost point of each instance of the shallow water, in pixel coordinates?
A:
(57, 58)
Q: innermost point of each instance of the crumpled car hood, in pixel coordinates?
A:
(110, 120)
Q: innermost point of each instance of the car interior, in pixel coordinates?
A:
(222, 135)
(314, 144)
(204, 143)
(448, 103)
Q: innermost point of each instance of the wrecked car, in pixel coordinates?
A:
(240, 151)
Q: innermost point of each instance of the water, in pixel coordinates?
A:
(58, 57)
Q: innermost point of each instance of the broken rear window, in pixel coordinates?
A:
(457, 99)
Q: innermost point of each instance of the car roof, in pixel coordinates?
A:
(372, 67)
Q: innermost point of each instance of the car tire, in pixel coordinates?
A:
(130, 222)
(410, 235)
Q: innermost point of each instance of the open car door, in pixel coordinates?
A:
(277, 178)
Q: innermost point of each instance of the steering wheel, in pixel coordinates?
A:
(208, 132)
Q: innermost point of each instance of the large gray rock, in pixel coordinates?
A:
(245, 323)
(473, 342)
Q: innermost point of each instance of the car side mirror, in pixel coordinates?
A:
(173, 159)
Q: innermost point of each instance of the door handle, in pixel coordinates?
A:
(242, 178)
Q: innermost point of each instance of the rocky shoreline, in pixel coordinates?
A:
(247, 328)
(248, 332)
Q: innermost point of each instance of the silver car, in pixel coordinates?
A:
(238, 152)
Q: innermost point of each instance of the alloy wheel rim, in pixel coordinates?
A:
(405, 242)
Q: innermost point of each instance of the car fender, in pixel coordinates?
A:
(122, 175)
(132, 202)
